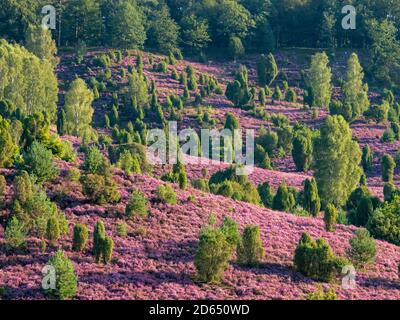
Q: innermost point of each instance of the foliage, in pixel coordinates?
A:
(80, 237)
(15, 234)
(166, 194)
(250, 251)
(267, 70)
(362, 249)
(311, 201)
(330, 217)
(138, 205)
(387, 165)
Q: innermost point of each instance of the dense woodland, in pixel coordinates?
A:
(78, 192)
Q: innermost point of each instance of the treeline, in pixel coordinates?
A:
(261, 25)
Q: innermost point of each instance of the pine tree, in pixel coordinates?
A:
(387, 166)
(311, 201)
(267, 70)
(330, 217)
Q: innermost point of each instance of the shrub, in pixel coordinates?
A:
(212, 255)
(362, 249)
(166, 194)
(364, 211)
(201, 184)
(3, 185)
(235, 48)
(74, 174)
(330, 217)
(387, 166)
(129, 163)
(277, 96)
(377, 113)
(100, 189)
(250, 251)
(267, 194)
(283, 200)
(291, 96)
(302, 151)
(267, 70)
(385, 222)
(316, 260)
(311, 201)
(39, 162)
(388, 136)
(322, 294)
(94, 161)
(107, 248)
(66, 280)
(367, 158)
(238, 91)
(138, 205)
(53, 229)
(99, 233)
(231, 231)
(80, 238)
(122, 230)
(15, 234)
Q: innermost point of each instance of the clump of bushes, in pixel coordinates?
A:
(322, 294)
(316, 260)
(102, 244)
(100, 189)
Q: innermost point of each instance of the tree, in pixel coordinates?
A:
(387, 165)
(8, 148)
(212, 255)
(337, 159)
(266, 194)
(354, 91)
(15, 234)
(318, 78)
(235, 48)
(99, 233)
(267, 70)
(231, 122)
(250, 251)
(80, 238)
(53, 230)
(40, 42)
(39, 162)
(127, 25)
(27, 82)
(238, 91)
(311, 201)
(66, 279)
(138, 89)
(163, 31)
(78, 108)
(195, 33)
(302, 151)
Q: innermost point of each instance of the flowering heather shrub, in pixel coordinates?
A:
(53, 229)
(316, 260)
(15, 234)
(166, 194)
(80, 237)
(330, 217)
(138, 205)
(362, 249)
(212, 255)
(322, 294)
(66, 280)
(250, 251)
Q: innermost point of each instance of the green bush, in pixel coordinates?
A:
(74, 175)
(99, 233)
(80, 238)
(15, 234)
(212, 255)
(94, 162)
(230, 229)
(316, 260)
(284, 199)
(385, 222)
(107, 248)
(122, 230)
(53, 229)
(39, 162)
(166, 194)
(129, 163)
(235, 48)
(367, 158)
(137, 205)
(267, 70)
(388, 136)
(100, 189)
(267, 194)
(330, 217)
(66, 279)
(201, 184)
(311, 201)
(362, 249)
(291, 96)
(250, 251)
(387, 166)
(322, 294)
